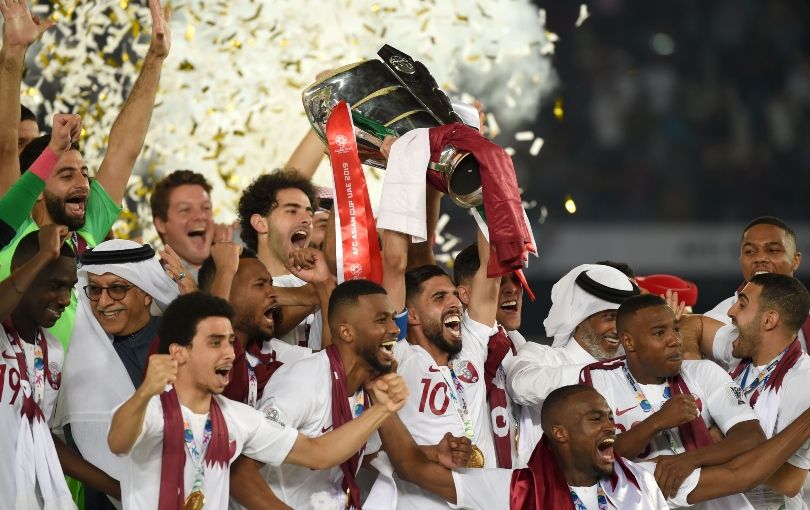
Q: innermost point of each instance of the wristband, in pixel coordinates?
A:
(43, 166)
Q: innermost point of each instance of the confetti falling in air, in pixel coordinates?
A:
(229, 104)
(583, 15)
(559, 113)
(537, 144)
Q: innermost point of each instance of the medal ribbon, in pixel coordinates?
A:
(36, 375)
(761, 379)
(456, 393)
(197, 456)
(253, 384)
(601, 499)
(647, 407)
(354, 222)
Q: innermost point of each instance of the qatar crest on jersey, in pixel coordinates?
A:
(465, 371)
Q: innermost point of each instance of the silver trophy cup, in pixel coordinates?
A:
(391, 97)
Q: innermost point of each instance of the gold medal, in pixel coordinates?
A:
(476, 458)
(194, 501)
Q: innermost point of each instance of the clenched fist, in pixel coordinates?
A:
(391, 391)
(676, 411)
(162, 370)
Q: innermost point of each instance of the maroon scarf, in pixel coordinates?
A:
(497, 348)
(172, 481)
(341, 414)
(694, 434)
(509, 239)
(237, 388)
(542, 486)
(792, 355)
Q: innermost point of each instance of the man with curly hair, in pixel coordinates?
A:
(275, 213)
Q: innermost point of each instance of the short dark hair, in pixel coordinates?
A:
(348, 292)
(159, 201)
(785, 294)
(557, 402)
(27, 114)
(629, 308)
(208, 269)
(466, 264)
(29, 246)
(260, 198)
(624, 267)
(181, 318)
(415, 277)
(771, 220)
(33, 150)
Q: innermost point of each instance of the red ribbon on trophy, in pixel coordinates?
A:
(357, 246)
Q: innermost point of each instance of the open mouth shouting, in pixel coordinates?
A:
(76, 205)
(270, 316)
(198, 236)
(604, 450)
(452, 322)
(223, 373)
(54, 312)
(300, 238)
(386, 350)
(510, 306)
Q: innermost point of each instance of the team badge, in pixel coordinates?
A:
(466, 371)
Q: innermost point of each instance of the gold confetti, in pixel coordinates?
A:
(558, 109)
(190, 31)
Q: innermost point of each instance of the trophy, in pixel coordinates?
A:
(391, 97)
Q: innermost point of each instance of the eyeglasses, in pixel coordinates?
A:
(116, 292)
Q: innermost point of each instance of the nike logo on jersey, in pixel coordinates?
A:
(433, 368)
(324, 430)
(620, 412)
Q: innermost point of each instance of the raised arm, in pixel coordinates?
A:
(129, 130)
(20, 30)
(483, 291)
(395, 262)
(12, 288)
(308, 155)
(536, 371)
(310, 265)
(127, 422)
(698, 333)
(328, 450)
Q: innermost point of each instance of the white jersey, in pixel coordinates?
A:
(488, 489)
(720, 313)
(793, 400)
(310, 332)
(535, 372)
(281, 351)
(299, 395)
(430, 412)
(718, 399)
(12, 391)
(249, 433)
(506, 421)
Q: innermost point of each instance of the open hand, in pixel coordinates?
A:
(161, 30)
(20, 28)
(177, 271)
(672, 300)
(454, 452)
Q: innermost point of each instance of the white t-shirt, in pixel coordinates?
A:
(506, 421)
(718, 400)
(430, 413)
(299, 395)
(794, 399)
(310, 332)
(12, 391)
(488, 489)
(249, 433)
(535, 372)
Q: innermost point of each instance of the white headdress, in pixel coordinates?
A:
(584, 291)
(94, 380)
